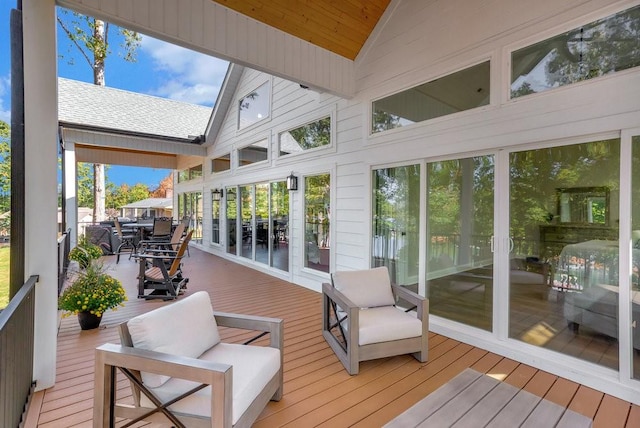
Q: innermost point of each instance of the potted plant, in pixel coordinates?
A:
(90, 295)
(84, 252)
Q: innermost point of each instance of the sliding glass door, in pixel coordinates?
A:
(460, 211)
(563, 263)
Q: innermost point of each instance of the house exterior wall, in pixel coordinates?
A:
(418, 42)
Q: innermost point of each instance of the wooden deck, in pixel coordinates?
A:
(317, 390)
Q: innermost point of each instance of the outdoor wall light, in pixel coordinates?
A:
(217, 194)
(292, 182)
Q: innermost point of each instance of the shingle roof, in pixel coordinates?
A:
(151, 203)
(85, 104)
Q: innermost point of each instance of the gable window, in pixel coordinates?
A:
(459, 91)
(222, 163)
(253, 153)
(310, 136)
(254, 106)
(601, 47)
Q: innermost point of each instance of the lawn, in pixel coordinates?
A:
(4, 277)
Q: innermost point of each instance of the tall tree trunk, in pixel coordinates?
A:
(99, 191)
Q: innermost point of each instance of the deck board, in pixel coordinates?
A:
(317, 390)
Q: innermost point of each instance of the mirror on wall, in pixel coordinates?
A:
(583, 205)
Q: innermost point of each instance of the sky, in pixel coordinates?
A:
(161, 69)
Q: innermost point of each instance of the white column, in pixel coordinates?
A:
(41, 150)
(71, 191)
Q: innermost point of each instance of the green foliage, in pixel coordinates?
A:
(5, 167)
(4, 276)
(117, 197)
(85, 252)
(314, 134)
(93, 291)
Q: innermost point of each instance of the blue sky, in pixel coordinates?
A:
(162, 70)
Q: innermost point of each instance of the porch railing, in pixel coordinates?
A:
(16, 354)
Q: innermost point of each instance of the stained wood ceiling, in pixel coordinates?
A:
(340, 26)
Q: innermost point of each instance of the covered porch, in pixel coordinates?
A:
(317, 389)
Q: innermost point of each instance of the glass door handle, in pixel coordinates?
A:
(511, 244)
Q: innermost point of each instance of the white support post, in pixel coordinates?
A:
(71, 191)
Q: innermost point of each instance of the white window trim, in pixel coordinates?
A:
(236, 164)
(305, 120)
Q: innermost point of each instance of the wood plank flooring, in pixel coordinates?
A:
(317, 391)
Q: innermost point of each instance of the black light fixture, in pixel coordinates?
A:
(292, 182)
(217, 194)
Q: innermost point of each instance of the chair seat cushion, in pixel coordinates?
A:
(186, 328)
(253, 368)
(387, 323)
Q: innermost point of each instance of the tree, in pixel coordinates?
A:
(165, 188)
(5, 167)
(91, 38)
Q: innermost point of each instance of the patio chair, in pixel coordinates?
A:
(162, 273)
(181, 371)
(161, 229)
(127, 241)
(159, 245)
(360, 319)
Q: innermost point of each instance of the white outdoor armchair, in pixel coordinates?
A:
(362, 322)
(181, 373)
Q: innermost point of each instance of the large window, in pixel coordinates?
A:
(253, 153)
(310, 136)
(215, 216)
(254, 106)
(190, 205)
(601, 47)
(463, 90)
(317, 196)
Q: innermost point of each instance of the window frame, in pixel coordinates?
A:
(269, 85)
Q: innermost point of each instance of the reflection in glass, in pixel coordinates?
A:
(396, 219)
(232, 216)
(254, 106)
(306, 137)
(563, 277)
(215, 219)
(246, 212)
(601, 47)
(459, 91)
(222, 163)
(635, 244)
(280, 226)
(262, 223)
(190, 205)
(256, 152)
(459, 232)
(317, 192)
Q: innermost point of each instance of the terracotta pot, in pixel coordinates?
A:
(88, 320)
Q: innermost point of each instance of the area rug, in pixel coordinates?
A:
(473, 400)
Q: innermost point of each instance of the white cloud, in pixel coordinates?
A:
(5, 95)
(190, 76)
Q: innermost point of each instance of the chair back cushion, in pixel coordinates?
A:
(366, 288)
(186, 327)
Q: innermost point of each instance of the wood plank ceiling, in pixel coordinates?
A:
(340, 26)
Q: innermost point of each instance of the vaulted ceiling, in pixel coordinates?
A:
(340, 26)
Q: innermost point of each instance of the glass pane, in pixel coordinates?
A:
(310, 136)
(195, 172)
(215, 218)
(223, 163)
(253, 153)
(317, 196)
(280, 226)
(232, 217)
(246, 211)
(601, 47)
(635, 268)
(396, 219)
(463, 90)
(254, 107)
(196, 198)
(563, 278)
(262, 223)
(459, 232)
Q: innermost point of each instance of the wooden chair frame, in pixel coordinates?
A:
(131, 361)
(344, 342)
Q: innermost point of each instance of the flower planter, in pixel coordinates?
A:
(88, 321)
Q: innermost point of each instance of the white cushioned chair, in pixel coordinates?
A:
(362, 322)
(175, 351)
